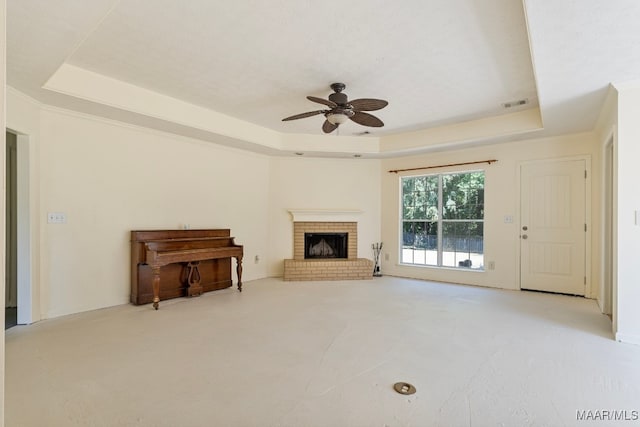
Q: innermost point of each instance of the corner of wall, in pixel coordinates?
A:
(628, 338)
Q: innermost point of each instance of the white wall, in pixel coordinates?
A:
(2, 173)
(501, 198)
(628, 225)
(109, 178)
(313, 183)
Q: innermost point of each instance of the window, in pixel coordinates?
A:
(443, 220)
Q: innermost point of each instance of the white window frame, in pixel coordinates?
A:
(440, 221)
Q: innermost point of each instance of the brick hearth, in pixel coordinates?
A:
(323, 269)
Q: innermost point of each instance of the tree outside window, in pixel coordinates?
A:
(443, 220)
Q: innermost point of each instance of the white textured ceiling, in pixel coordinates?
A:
(257, 60)
(436, 62)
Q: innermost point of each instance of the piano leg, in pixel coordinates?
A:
(156, 286)
(239, 271)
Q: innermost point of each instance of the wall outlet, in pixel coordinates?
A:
(56, 218)
(256, 259)
(491, 265)
(386, 257)
(508, 219)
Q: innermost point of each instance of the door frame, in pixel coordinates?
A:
(11, 264)
(24, 235)
(607, 296)
(588, 290)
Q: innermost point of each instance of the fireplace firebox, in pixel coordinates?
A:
(325, 245)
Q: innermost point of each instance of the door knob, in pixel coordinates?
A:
(525, 228)
(524, 236)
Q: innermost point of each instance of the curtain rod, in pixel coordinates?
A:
(444, 166)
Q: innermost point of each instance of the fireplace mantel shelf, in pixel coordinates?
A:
(325, 215)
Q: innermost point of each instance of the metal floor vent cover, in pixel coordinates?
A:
(404, 388)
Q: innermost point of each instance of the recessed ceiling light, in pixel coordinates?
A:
(299, 154)
(357, 156)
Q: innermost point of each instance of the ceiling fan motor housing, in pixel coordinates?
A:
(338, 98)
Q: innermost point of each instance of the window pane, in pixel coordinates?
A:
(408, 234)
(408, 185)
(420, 243)
(463, 196)
(420, 198)
(462, 244)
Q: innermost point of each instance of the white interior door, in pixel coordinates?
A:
(553, 227)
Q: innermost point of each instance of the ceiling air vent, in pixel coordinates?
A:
(517, 103)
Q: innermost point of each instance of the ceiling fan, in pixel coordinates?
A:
(342, 110)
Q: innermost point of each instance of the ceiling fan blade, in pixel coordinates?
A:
(368, 104)
(365, 119)
(304, 115)
(328, 127)
(322, 101)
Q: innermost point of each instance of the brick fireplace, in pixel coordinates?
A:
(324, 223)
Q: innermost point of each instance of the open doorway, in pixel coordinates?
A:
(11, 249)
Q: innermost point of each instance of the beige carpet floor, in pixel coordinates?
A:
(325, 354)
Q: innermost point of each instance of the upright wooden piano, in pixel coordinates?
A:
(175, 263)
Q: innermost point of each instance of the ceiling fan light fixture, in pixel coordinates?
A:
(337, 118)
